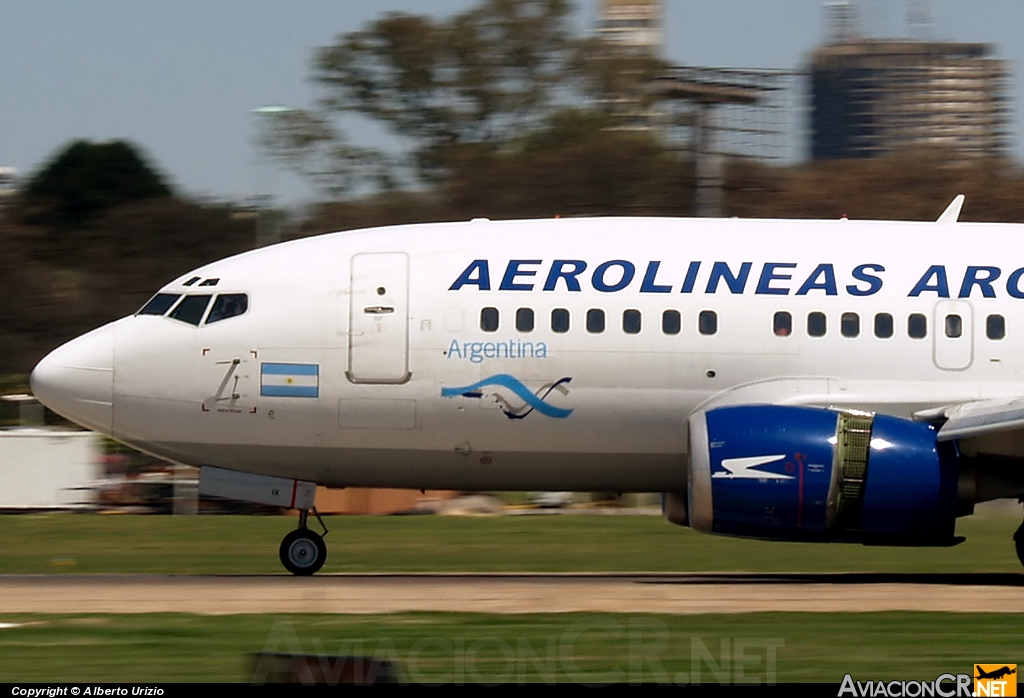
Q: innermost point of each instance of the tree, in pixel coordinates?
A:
(576, 164)
(484, 77)
(307, 143)
(475, 85)
(87, 178)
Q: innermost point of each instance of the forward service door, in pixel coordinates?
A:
(378, 331)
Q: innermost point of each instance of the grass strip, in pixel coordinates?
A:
(438, 647)
(87, 543)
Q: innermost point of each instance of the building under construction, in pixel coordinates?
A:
(634, 23)
(873, 97)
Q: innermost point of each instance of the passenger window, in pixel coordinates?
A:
(917, 326)
(524, 319)
(595, 320)
(228, 305)
(849, 324)
(816, 324)
(489, 319)
(883, 325)
(995, 327)
(707, 322)
(782, 324)
(631, 321)
(671, 322)
(954, 326)
(559, 320)
(159, 304)
(191, 309)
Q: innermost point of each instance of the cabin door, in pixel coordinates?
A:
(378, 330)
(953, 335)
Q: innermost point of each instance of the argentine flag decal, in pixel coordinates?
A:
(289, 380)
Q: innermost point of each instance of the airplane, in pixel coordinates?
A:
(834, 381)
(995, 673)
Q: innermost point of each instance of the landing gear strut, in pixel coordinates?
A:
(304, 552)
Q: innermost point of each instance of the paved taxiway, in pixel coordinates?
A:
(513, 593)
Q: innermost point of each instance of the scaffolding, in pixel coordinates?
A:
(719, 113)
(709, 114)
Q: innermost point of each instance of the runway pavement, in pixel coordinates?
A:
(513, 593)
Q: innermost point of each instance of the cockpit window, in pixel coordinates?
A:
(191, 309)
(228, 305)
(159, 304)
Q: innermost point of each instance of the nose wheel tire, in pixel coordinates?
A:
(303, 552)
(1018, 541)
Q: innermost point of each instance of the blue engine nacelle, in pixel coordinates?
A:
(804, 473)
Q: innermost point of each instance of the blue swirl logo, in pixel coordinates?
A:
(531, 400)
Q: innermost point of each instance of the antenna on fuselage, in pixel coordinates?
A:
(952, 212)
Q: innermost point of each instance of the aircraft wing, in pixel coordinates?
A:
(976, 419)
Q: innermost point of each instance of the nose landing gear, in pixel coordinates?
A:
(303, 552)
(1018, 541)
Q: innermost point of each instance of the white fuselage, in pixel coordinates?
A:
(367, 358)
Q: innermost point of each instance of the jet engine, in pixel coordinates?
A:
(803, 473)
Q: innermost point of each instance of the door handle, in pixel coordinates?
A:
(379, 309)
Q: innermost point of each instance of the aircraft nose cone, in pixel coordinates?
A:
(76, 380)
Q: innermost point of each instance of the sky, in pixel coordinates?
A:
(181, 80)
